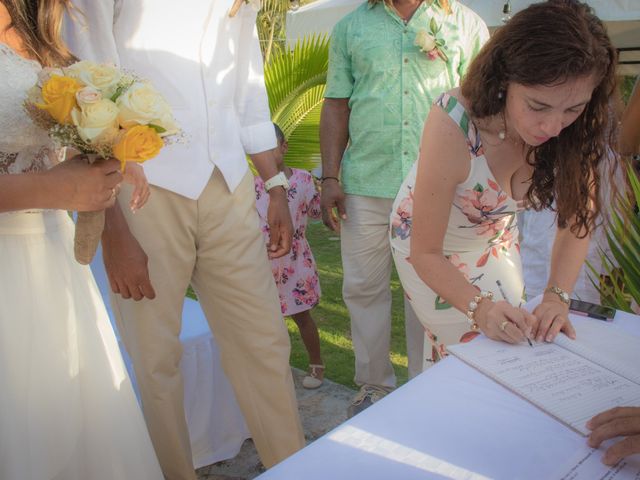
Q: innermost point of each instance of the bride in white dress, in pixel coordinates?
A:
(67, 408)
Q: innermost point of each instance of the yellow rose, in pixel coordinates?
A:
(59, 97)
(142, 104)
(137, 144)
(102, 77)
(96, 122)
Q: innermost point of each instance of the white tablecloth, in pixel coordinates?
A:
(216, 425)
(449, 422)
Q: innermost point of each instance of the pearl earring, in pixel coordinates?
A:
(500, 94)
(502, 133)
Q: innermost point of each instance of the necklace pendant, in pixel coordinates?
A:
(502, 134)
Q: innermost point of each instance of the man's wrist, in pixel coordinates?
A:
(329, 177)
(277, 191)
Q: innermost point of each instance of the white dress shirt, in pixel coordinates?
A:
(206, 64)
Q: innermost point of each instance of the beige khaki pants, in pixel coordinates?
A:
(215, 244)
(367, 265)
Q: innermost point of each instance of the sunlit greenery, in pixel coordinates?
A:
(295, 81)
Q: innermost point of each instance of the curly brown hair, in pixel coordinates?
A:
(547, 44)
(39, 24)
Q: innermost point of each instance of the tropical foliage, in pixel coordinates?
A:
(271, 24)
(295, 81)
(622, 265)
(271, 27)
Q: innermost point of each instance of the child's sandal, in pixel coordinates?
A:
(314, 378)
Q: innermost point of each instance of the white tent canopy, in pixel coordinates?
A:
(622, 18)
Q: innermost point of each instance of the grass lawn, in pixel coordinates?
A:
(332, 317)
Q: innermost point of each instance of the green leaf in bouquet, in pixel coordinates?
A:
(123, 87)
(157, 128)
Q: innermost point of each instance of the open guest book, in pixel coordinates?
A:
(571, 380)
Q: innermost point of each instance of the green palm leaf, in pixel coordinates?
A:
(622, 265)
(295, 82)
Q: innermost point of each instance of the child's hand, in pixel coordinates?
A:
(134, 174)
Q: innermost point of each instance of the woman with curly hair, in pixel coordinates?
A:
(67, 407)
(528, 126)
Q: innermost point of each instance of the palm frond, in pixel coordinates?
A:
(622, 265)
(295, 81)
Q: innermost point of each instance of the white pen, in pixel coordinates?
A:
(504, 295)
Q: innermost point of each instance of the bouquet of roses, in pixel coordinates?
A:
(101, 112)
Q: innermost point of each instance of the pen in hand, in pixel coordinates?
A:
(504, 295)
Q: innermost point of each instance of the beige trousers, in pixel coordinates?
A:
(215, 244)
(367, 263)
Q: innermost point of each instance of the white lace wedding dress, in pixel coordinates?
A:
(67, 408)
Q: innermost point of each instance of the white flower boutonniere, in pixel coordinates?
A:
(430, 43)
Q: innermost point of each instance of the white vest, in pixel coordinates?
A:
(206, 64)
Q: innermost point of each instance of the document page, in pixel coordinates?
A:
(587, 465)
(607, 345)
(568, 387)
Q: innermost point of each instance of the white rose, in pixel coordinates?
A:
(46, 73)
(425, 41)
(99, 76)
(88, 95)
(141, 104)
(96, 122)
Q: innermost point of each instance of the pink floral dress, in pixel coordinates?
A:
(295, 274)
(481, 240)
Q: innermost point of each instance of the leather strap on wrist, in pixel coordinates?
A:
(329, 178)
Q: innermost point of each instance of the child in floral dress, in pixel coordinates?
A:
(295, 274)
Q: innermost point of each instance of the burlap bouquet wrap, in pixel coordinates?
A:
(89, 227)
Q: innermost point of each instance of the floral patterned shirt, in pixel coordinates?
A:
(390, 83)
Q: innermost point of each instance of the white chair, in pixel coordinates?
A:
(216, 426)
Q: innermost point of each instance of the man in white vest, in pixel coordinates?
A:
(200, 226)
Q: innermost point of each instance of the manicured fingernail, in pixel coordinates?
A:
(588, 425)
(549, 338)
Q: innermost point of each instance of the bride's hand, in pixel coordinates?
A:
(134, 175)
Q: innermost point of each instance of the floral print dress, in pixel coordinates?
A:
(295, 274)
(481, 240)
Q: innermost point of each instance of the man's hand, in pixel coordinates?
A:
(617, 422)
(332, 196)
(279, 220)
(124, 259)
(76, 185)
(134, 175)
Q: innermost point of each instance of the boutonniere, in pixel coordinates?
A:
(255, 4)
(430, 43)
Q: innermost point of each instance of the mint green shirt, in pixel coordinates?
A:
(391, 84)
